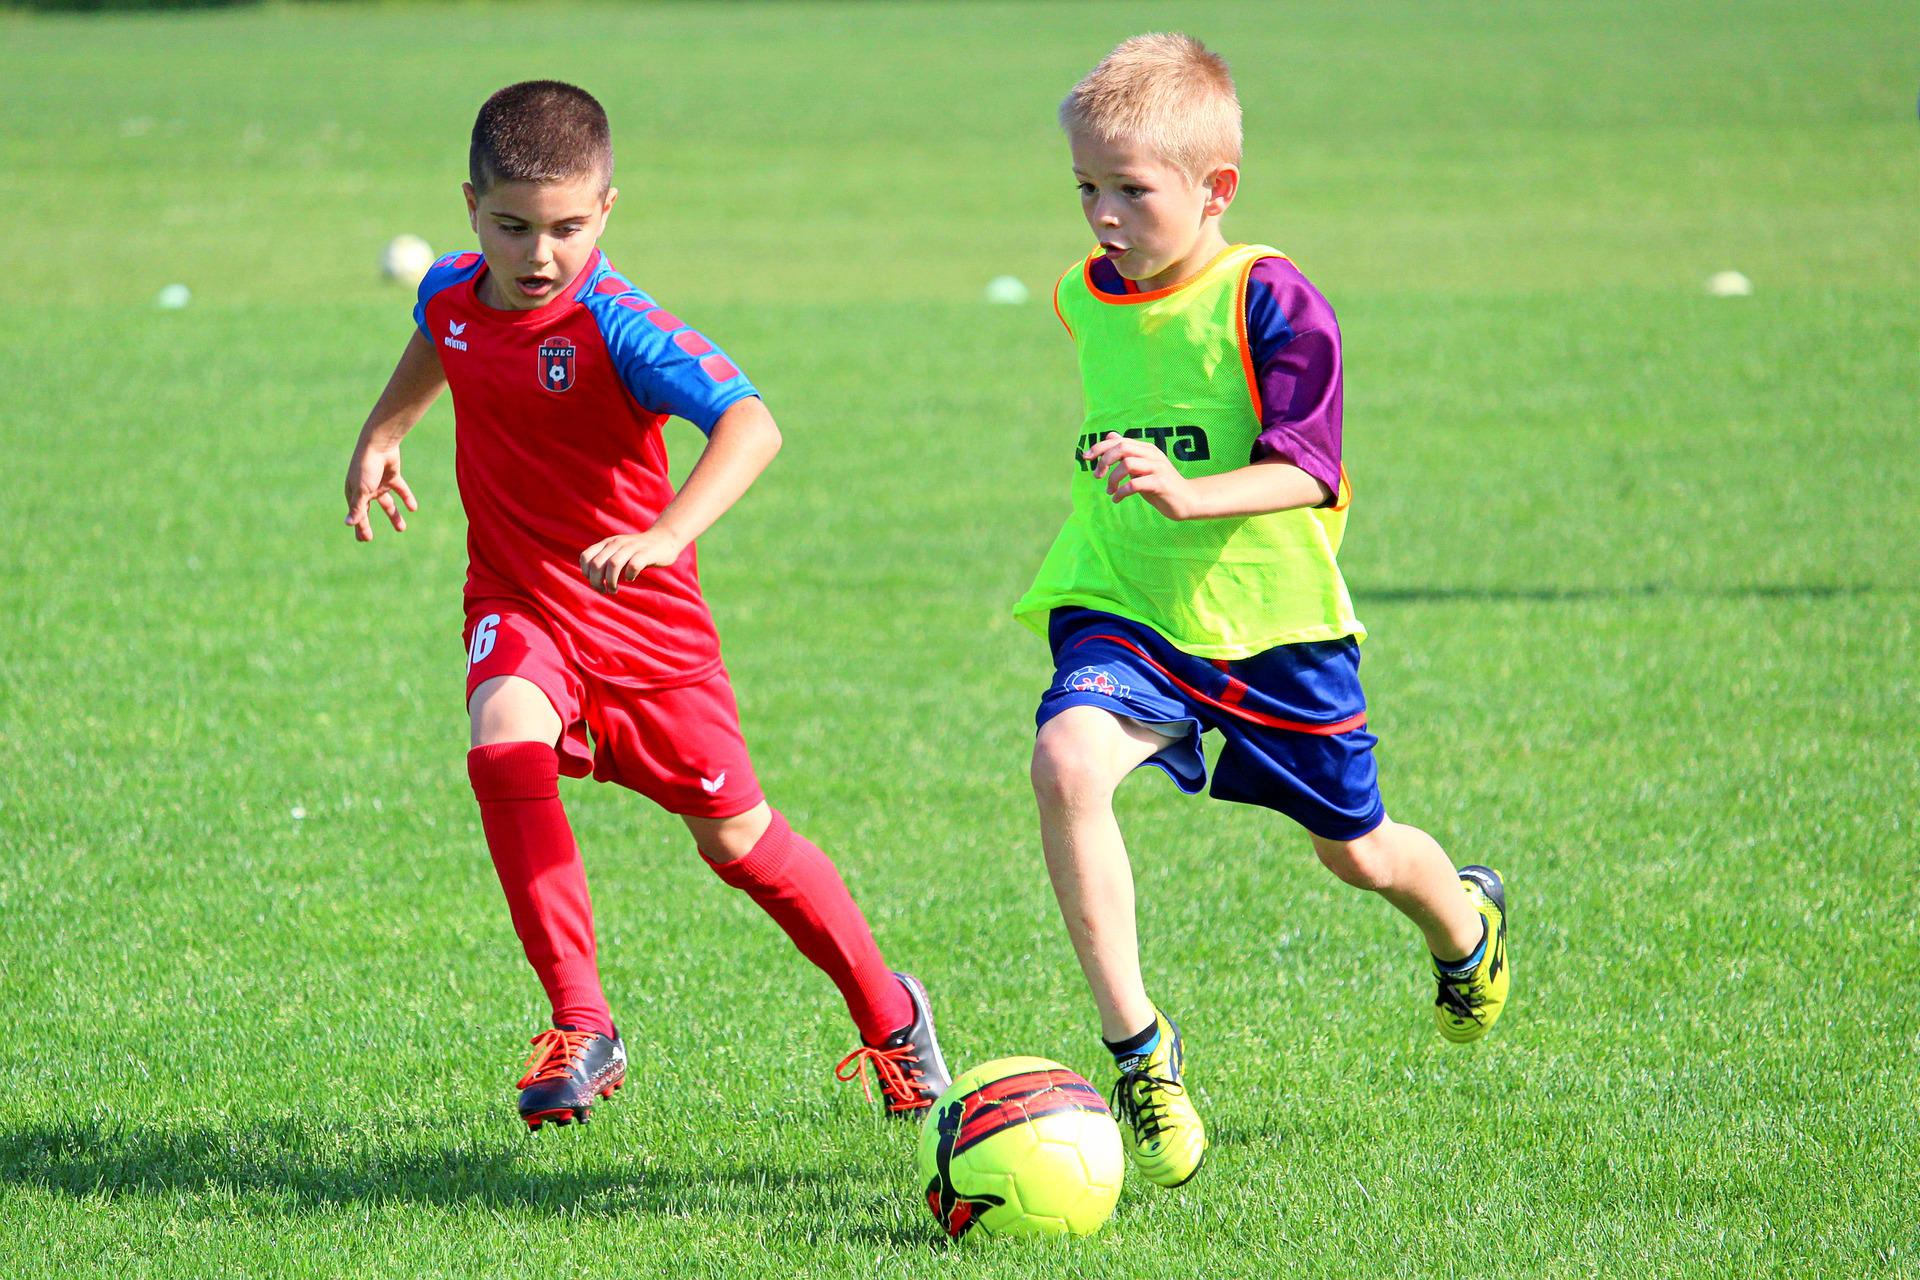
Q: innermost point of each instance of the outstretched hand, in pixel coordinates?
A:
(1138, 467)
(621, 558)
(374, 477)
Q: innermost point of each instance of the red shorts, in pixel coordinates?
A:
(681, 747)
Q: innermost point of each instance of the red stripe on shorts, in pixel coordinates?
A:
(1236, 690)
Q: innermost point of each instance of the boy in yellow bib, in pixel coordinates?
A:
(1194, 588)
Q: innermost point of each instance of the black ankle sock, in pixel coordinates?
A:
(1469, 960)
(1137, 1043)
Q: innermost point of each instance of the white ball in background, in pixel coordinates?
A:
(406, 259)
(173, 297)
(1729, 284)
(1006, 291)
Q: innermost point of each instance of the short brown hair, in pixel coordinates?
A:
(540, 131)
(1166, 90)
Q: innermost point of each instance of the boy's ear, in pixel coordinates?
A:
(473, 205)
(613, 193)
(1222, 185)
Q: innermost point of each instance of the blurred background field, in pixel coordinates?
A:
(1640, 566)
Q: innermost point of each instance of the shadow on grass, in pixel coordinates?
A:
(1641, 591)
(330, 1166)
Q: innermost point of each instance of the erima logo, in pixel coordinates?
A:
(454, 330)
(713, 785)
(1183, 444)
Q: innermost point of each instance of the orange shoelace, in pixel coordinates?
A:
(898, 1070)
(553, 1055)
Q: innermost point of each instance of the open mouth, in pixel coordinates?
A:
(1113, 250)
(533, 286)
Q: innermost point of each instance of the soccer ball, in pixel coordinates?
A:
(1021, 1146)
(406, 259)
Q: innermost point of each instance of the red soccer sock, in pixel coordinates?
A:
(518, 787)
(799, 887)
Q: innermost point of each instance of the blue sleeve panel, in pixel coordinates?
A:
(455, 268)
(1268, 328)
(669, 367)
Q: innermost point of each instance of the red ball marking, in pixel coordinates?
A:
(634, 304)
(465, 260)
(691, 342)
(666, 319)
(718, 367)
(610, 284)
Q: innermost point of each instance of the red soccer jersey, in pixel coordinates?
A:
(557, 417)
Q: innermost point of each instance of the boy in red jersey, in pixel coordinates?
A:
(589, 646)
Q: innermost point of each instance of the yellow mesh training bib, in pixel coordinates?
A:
(1172, 367)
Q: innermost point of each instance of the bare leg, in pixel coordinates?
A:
(1079, 758)
(729, 839)
(511, 709)
(1407, 867)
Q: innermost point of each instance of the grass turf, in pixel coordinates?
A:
(1639, 564)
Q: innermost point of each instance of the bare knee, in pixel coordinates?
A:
(729, 839)
(1364, 863)
(511, 709)
(1066, 775)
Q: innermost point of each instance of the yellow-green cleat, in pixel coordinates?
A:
(1158, 1124)
(1468, 1004)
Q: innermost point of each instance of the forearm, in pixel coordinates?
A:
(416, 383)
(741, 445)
(1253, 490)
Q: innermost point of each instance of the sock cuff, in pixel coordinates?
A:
(1138, 1042)
(765, 861)
(514, 771)
(1471, 960)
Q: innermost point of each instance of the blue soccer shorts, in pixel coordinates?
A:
(1293, 718)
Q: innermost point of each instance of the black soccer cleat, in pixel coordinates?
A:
(910, 1067)
(567, 1071)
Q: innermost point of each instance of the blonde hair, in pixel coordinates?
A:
(1165, 90)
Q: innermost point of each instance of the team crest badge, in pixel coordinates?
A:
(556, 363)
(1095, 680)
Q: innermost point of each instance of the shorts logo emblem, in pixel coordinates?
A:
(556, 363)
(1095, 680)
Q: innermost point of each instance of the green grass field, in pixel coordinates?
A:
(1641, 568)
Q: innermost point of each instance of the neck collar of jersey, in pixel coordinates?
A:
(545, 312)
(1148, 295)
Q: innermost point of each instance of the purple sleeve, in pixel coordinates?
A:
(1295, 344)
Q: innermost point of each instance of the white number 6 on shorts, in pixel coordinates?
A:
(482, 644)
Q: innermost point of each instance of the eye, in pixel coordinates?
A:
(510, 229)
(1133, 192)
(1086, 188)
